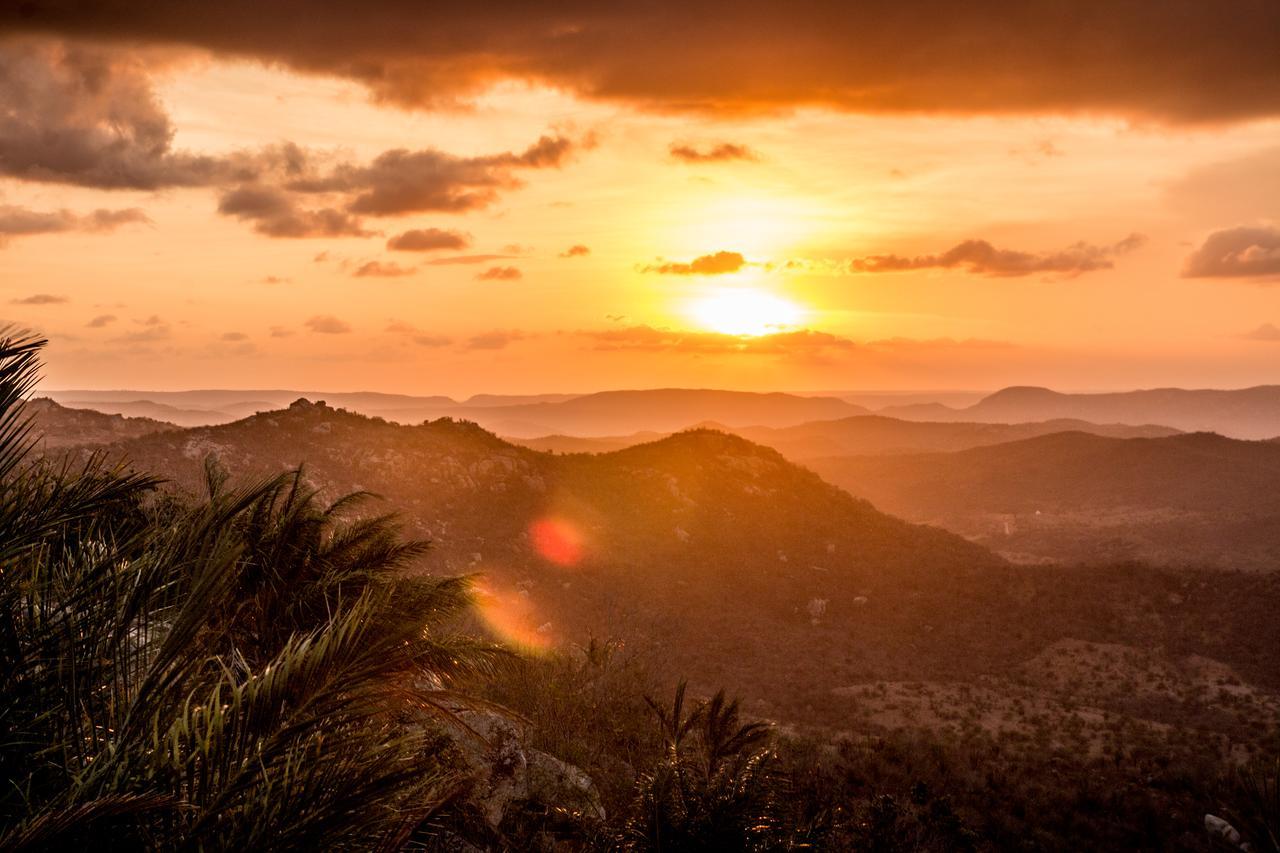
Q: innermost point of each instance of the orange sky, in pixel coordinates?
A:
(179, 214)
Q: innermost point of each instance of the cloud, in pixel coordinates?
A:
(280, 332)
(275, 279)
(1242, 252)
(327, 324)
(982, 258)
(399, 327)
(90, 117)
(401, 181)
(576, 251)
(717, 264)
(466, 259)
(231, 337)
(500, 274)
(649, 339)
(497, 339)
(22, 222)
(718, 153)
(98, 122)
(429, 240)
(378, 269)
(1182, 62)
(40, 299)
(1269, 332)
(101, 321)
(275, 213)
(1240, 189)
(150, 333)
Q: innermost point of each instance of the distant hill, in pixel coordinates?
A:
(861, 434)
(1250, 413)
(216, 406)
(59, 426)
(659, 410)
(736, 566)
(874, 434)
(604, 413)
(1184, 499)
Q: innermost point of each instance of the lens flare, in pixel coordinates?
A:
(557, 540)
(511, 614)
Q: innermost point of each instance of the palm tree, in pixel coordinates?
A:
(251, 671)
(716, 786)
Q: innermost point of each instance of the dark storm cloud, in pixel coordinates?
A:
(718, 153)
(1243, 252)
(429, 240)
(22, 222)
(982, 258)
(1182, 61)
(717, 264)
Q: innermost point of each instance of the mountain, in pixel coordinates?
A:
(660, 410)
(1195, 498)
(1250, 413)
(860, 434)
(875, 434)
(215, 406)
(729, 563)
(604, 413)
(59, 426)
(575, 444)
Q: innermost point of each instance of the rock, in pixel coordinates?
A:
(557, 783)
(1223, 831)
(494, 751)
(506, 773)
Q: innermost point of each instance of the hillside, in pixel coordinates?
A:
(659, 410)
(861, 434)
(59, 426)
(1249, 413)
(1183, 499)
(606, 413)
(736, 566)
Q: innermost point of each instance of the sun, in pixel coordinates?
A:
(745, 311)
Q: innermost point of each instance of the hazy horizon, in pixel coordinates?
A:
(832, 425)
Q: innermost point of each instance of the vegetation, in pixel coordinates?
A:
(255, 667)
(210, 676)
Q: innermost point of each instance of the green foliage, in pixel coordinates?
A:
(715, 787)
(250, 671)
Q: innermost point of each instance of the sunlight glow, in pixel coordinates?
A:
(744, 311)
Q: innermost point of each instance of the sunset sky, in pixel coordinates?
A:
(421, 198)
